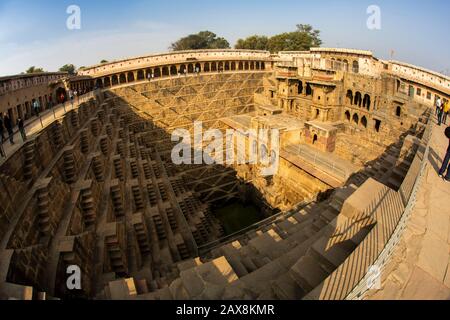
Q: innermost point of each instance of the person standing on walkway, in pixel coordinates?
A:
(71, 97)
(9, 128)
(445, 110)
(36, 108)
(2, 128)
(438, 106)
(445, 165)
(440, 113)
(21, 127)
(2, 151)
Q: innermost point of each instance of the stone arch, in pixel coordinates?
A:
(252, 65)
(349, 97)
(206, 67)
(173, 70)
(190, 68)
(220, 66)
(233, 65)
(315, 139)
(347, 115)
(333, 63)
(257, 66)
(264, 152)
(364, 121)
(213, 66)
(140, 75)
(263, 65)
(309, 90)
(157, 72)
(377, 125)
(358, 99)
(130, 77)
(345, 65)
(107, 82)
(61, 96)
(182, 68)
(300, 87)
(99, 83)
(198, 67)
(122, 78)
(246, 66)
(148, 73)
(115, 80)
(255, 148)
(165, 71)
(356, 118)
(241, 66)
(227, 66)
(398, 111)
(355, 66)
(366, 101)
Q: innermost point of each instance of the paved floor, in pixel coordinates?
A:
(419, 268)
(34, 125)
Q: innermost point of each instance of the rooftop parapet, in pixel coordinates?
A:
(173, 57)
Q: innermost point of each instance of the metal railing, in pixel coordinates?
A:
(317, 160)
(47, 114)
(203, 249)
(383, 258)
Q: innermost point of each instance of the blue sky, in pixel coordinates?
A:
(35, 33)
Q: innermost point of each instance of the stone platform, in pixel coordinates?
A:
(419, 268)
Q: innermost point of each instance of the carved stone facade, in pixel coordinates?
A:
(98, 188)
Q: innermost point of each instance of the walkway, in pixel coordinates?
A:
(419, 267)
(34, 125)
(327, 167)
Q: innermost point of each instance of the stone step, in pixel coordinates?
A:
(286, 288)
(307, 273)
(329, 257)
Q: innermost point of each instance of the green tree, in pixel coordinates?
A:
(33, 69)
(104, 61)
(304, 38)
(253, 43)
(69, 68)
(201, 40)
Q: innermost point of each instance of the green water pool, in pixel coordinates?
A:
(237, 216)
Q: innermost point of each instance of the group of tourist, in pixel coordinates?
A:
(445, 165)
(151, 76)
(7, 124)
(442, 110)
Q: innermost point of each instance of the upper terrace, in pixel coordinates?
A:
(173, 58)
(16, 82)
